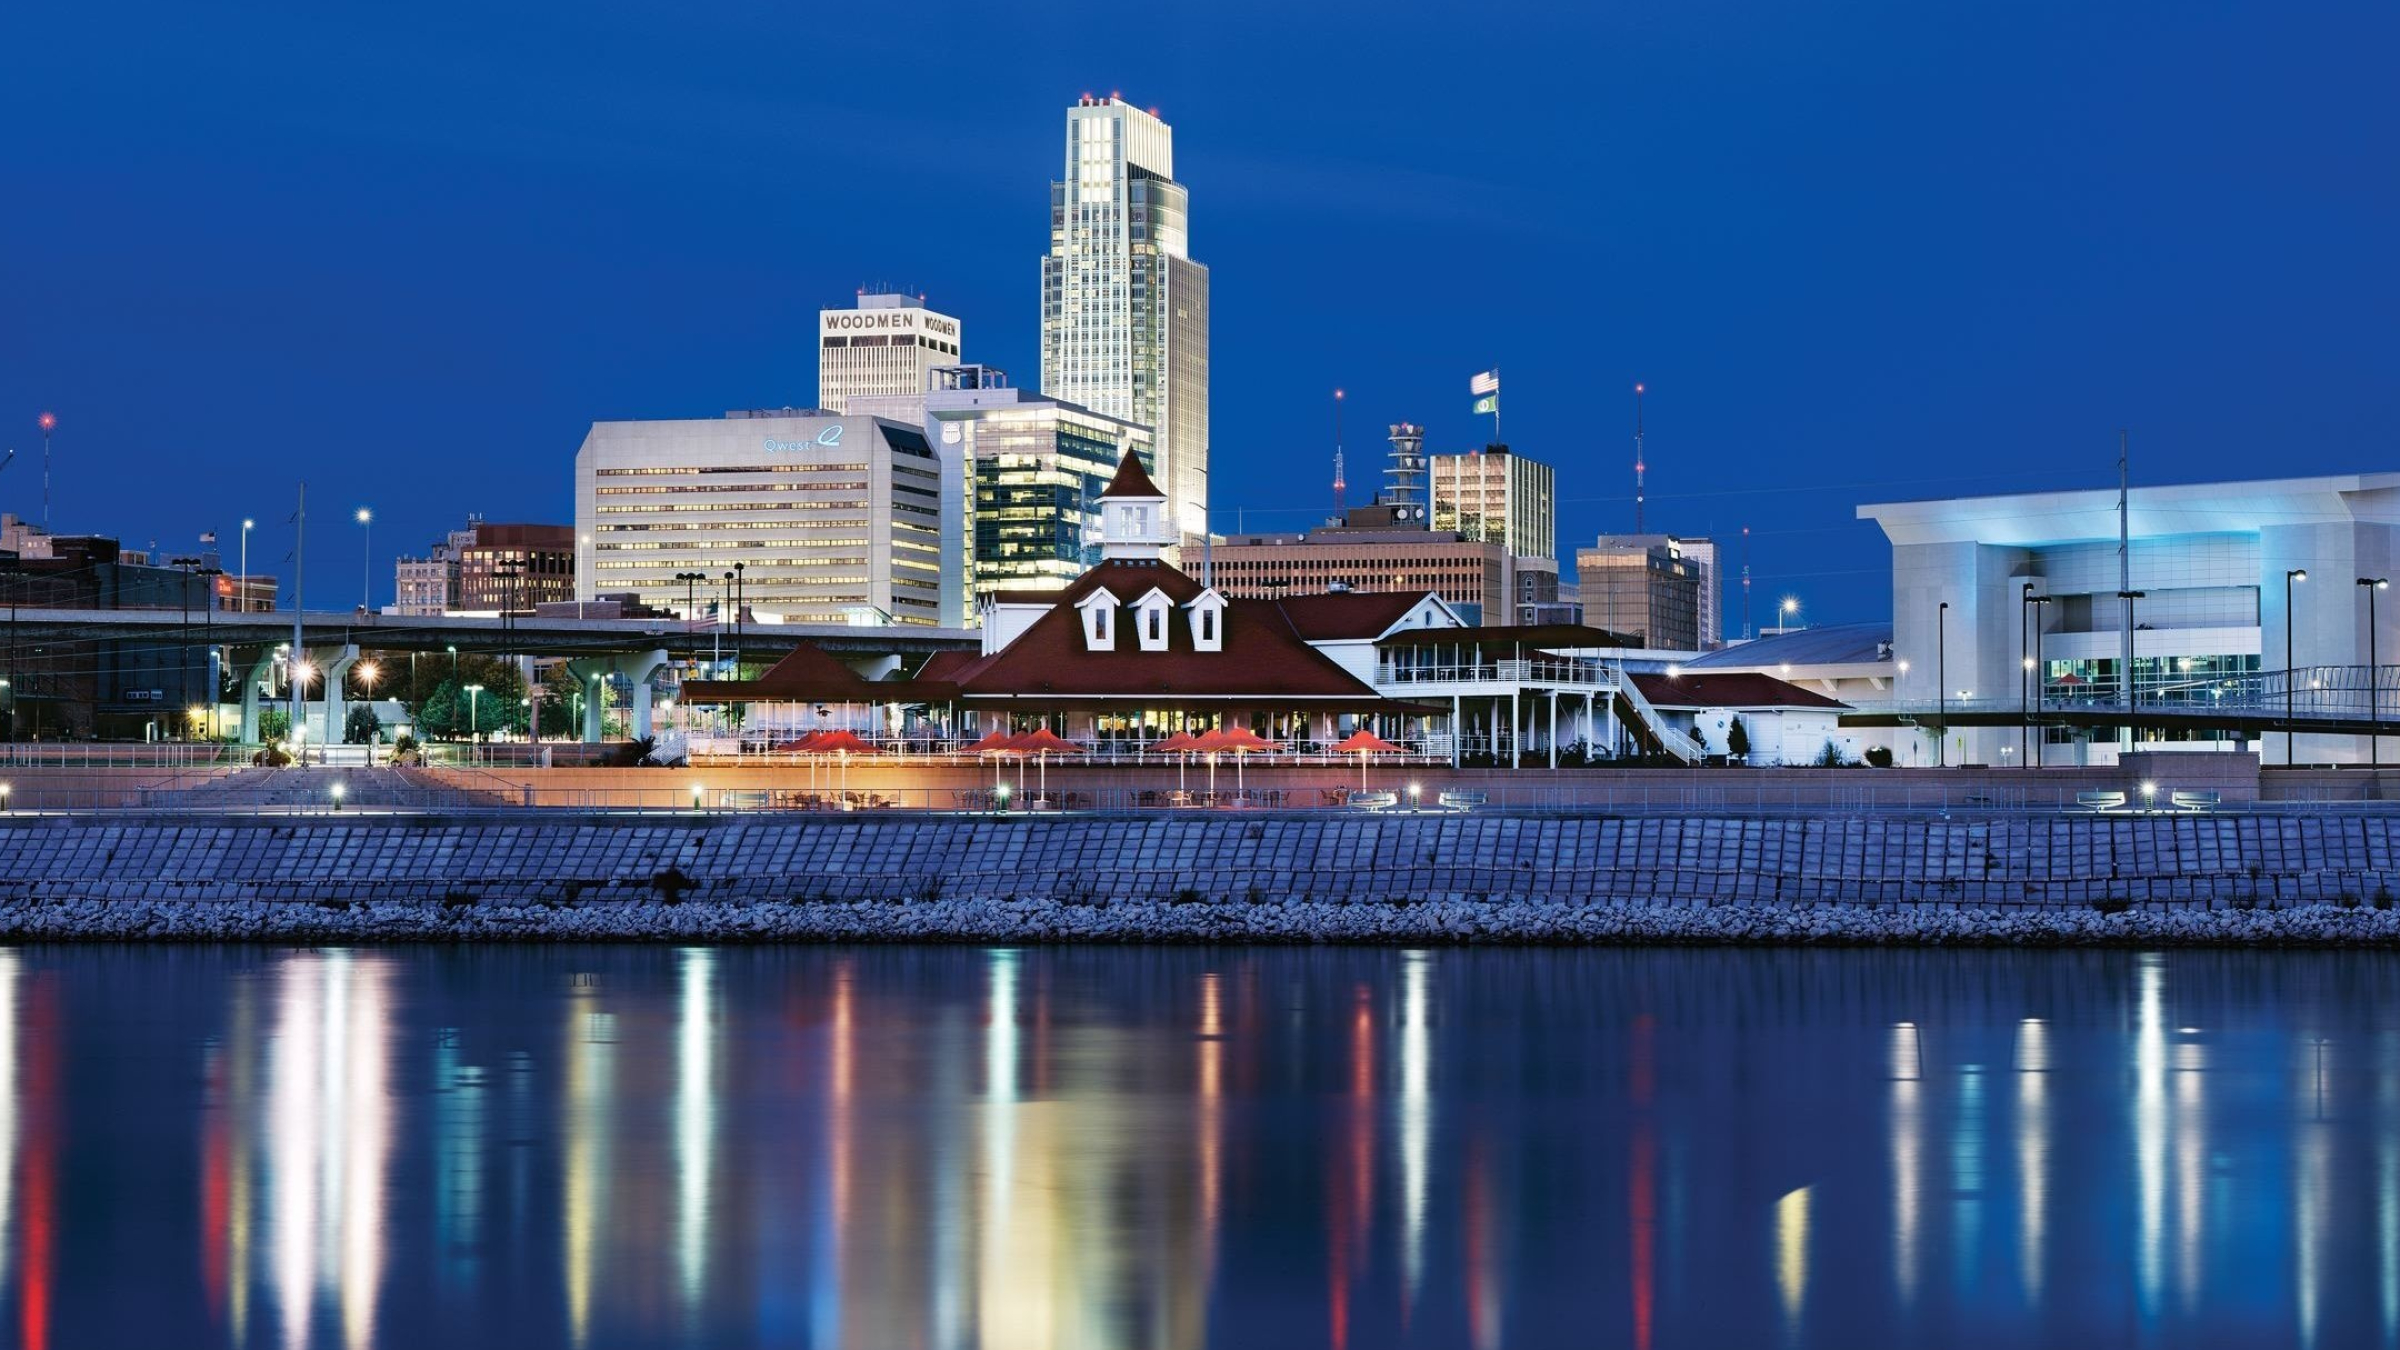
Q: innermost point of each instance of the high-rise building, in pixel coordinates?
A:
(511, 569)
(1124, 307)
(1032, 472)
(1648, 586)
(1494, 496)
(889, 344)
(429, 585)
(828, 519)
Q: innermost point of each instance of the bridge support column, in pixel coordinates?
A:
(333, 668)
(639, 667)
(261, 671)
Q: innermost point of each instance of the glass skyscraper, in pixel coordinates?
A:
(1124, 307)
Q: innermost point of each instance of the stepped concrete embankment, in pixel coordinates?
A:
(2323, 876)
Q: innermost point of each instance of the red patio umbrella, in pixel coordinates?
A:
(997, 746)
(1363, 743)
(844, 744)
(1242, 741)
(1180, 745)
(1041, 741)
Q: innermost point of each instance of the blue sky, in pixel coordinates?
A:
(1858, 251)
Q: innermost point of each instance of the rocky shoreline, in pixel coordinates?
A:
(1438, 921)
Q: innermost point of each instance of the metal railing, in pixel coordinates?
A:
(1560, 671)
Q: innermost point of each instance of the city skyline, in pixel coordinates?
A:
(1813, 336)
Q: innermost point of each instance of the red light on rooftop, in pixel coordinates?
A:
(48, 420)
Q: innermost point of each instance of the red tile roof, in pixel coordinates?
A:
(1130, 480)
(808, 675)
(1730, 690)
(1355, 614)
(1264, 658)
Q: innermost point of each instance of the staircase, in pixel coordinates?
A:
(312, 788)
(1653, 728)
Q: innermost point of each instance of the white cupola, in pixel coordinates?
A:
(1133, 516)
(1208, 621)
(1099, 611)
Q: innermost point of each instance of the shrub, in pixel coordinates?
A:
(1879, 756)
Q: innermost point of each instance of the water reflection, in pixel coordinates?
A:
(963, 1149)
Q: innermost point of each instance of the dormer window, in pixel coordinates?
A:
(1208, 622)
(1099, 620)
(1150, 620)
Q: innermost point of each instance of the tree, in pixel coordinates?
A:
(274, 724)
(361, 726)
(560, 704)
(1737, 740)
(439, 714)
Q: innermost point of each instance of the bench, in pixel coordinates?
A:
(2100, 801)
(1458, 800)
(1374, 801)
(2195, 799)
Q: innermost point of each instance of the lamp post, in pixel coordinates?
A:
(247, 526)
(2291, 667)
(183, 670)
(474, 713)
(2031, 691)
(366, 560)
(208, 643)
(1941, 681)
(2374, 675)
(48, 423)
(1790, 610)
(738, 578)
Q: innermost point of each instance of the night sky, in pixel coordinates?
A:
(1857, 251)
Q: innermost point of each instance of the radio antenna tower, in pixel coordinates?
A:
(1338, 485)
(1745, 583)
(1638, 524)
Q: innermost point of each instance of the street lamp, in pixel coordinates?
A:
(2291, 667)
(366, 560)
(2374, 675)
(1790, 609)
(1941, 685)
(474, 712)
(247, 526)
(2029, 690)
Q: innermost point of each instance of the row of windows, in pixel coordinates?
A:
(817, 466)
(895, 340)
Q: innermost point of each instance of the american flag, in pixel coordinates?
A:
(209, 538)
(1486, 383)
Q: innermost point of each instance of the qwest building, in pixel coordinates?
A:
(2210, 566)
(832, 519)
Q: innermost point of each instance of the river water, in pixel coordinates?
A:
(938, 1147)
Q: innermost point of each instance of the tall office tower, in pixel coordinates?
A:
(1124, 307)
(889, 344)
(1654, 586)
(1494, 495)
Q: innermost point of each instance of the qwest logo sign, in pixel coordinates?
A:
(829, 439)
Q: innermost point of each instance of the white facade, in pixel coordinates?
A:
(888, 344)
(833, 519)
(2210, 563)
(1124, 307)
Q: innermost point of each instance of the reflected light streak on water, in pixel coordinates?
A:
(1966, 1176)
(1415, 1119)
(2149, 1130)
(8, 1107)
(2387, 1183)
(366, 1126)
(2033, 1153)
(2191, 1169)
(589, 1044)
(1905, 1063)
(695, 1118)
(1791, 1259)
(2312, 1165)
(298, 1073)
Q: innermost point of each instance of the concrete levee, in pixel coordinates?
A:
(2030, 860)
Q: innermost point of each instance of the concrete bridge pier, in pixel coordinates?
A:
(635, 667)
(333, 669)
(261, 671)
